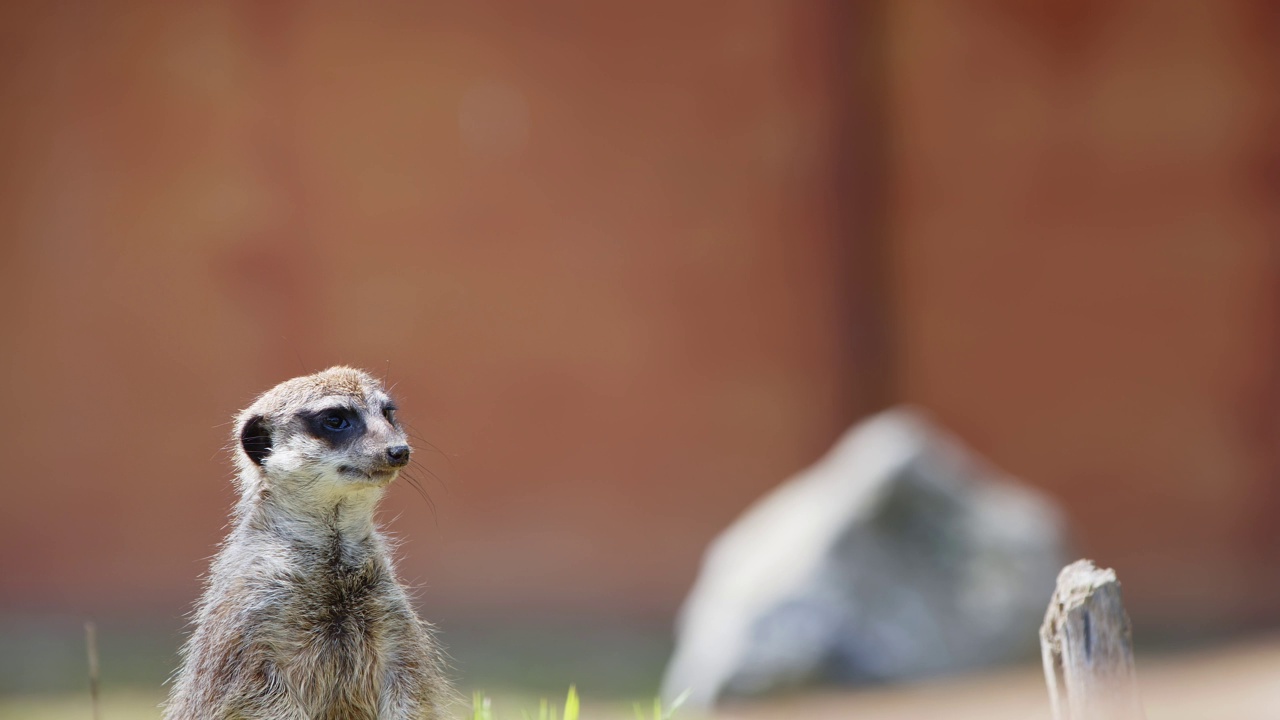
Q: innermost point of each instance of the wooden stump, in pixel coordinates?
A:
(1086, 646)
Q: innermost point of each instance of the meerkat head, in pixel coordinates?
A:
(323, 435)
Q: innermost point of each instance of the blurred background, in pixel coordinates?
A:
(628, 266)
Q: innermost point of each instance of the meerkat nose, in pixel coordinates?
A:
(398, 455)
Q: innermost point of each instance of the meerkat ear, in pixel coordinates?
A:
(255, 438)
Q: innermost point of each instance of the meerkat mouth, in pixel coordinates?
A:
(380, 476)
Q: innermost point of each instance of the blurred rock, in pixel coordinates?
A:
(899, 555)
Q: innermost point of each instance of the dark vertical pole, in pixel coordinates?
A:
(861, 181)
(1264, 407)
(91, 649)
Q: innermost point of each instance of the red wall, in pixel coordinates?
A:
(1085, 286)
(592, 247)
(629, 265)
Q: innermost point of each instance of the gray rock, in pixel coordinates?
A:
(897, 556)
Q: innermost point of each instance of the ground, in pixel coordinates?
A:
(1237, 682)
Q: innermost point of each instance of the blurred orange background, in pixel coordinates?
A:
(629, 265)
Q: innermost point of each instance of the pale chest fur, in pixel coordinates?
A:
(306, 631)
(344, 634)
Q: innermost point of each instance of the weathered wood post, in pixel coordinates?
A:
(1085, 643)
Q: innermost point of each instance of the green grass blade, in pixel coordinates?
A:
(675, 704)
(571, 704)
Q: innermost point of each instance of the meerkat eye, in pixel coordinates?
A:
(389, 413)
(335, 422)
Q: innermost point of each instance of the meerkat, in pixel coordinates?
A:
(302, 615)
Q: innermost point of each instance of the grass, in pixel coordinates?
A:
(482, 709)
(120, 705)
(143, 705)
(44, 675)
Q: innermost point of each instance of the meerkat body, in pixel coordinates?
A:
(303, 617)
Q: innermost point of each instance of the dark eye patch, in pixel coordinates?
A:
(336, 426)
(389, 412)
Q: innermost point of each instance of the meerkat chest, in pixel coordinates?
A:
(344, 618)
(344, 604)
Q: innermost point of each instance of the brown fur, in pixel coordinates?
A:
(302, 616)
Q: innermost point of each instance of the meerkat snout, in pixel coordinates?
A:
(398, 455)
